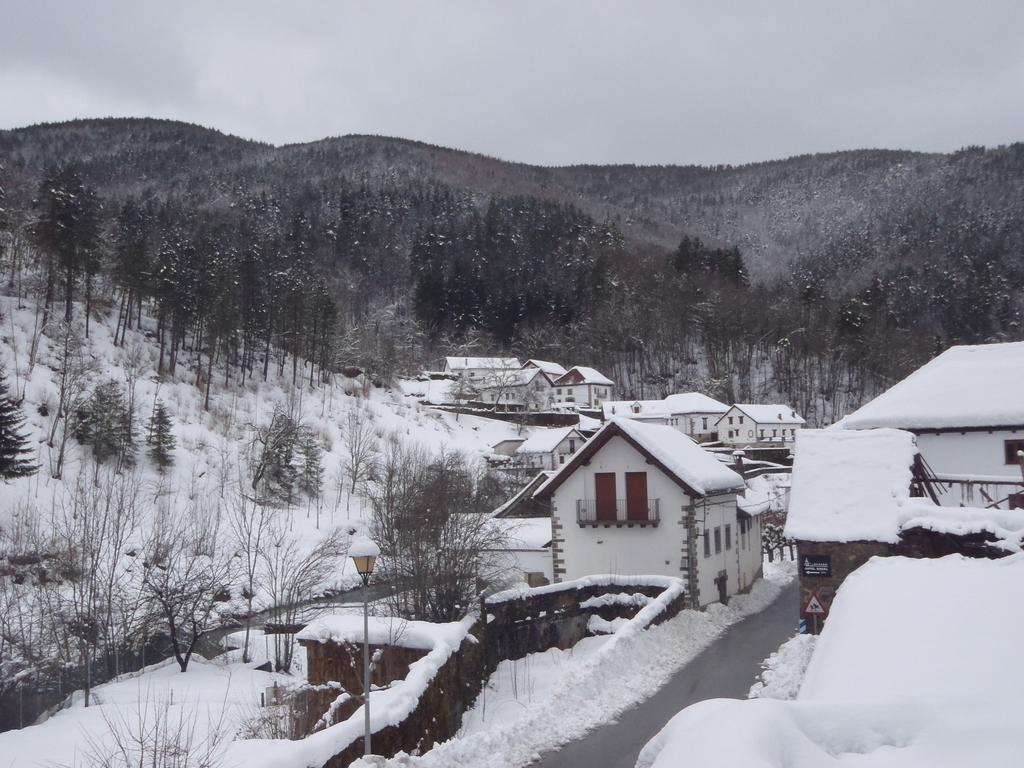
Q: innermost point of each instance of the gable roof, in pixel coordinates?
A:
(496, 363)
(695, 470)
(587, 376)
(546, 440)
(506, 378)
(526, 492)
(768, 413)
(965, 386)
(551, 369)
(673, 405)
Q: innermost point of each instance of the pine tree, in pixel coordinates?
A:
(311, 474)
(160, 438)
(14, 448)
(105, 424)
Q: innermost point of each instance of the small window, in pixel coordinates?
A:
(572, 446)
(704, 419)
(561, 458)
(718, 540)
(775, 433)
(761, 435)
(693, 425)
(471, 374)
(559, 390)
(741, 419)
(1011, 447)
(707, 544)
(750, 433)
(730, 419)
(728, 537)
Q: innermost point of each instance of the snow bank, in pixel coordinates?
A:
(966, 386)
(670, 584)
(348, 628)
(782, 673)
(917, 666)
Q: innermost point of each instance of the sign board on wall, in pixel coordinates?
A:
(816, 565)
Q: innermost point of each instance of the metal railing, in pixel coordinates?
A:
(625, 513)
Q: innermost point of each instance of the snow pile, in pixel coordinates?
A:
(388, 706)
(384, 630)
(848, 486)
(1006, 526)
(783, 672)
(671, 586)
(917, 666)
(598, 626)
(966, 386)
(591, 685)
(635, 600)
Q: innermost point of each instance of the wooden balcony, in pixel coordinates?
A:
(627, 513)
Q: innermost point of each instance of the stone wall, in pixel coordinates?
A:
(846, 557)
(509, 628)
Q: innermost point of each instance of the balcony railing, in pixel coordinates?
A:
(626, 513)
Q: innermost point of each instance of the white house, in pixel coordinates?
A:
(642, 499)
(746, 424)
(476, 368)
(525, 550)
(691, 413)
(549, 448)
(582, 387)
(966, 408)
(521, 388)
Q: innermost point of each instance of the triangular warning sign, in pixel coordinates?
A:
(814, 605)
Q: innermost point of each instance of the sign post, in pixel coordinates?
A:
(814, 608)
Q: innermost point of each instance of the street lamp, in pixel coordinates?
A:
(364, 554)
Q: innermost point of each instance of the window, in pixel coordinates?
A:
(761, 433)
(558, 391)
(1011, 447)
(693, 425)
(775, 433)
(704, 419)
(561, 458)
(741, 419)
(728, 537)
(730, 419)
(718, 540)
(572, 446)
(707, 544)
(471, 374)
(750, 433)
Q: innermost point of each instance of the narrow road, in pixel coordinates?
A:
(725, 669)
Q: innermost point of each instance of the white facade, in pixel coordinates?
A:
(527, 388)
(476, 368)
(692, 413)
(639, 549)
(763, 425)
(974, 464)
(546, 454)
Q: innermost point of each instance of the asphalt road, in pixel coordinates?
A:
(725, 669)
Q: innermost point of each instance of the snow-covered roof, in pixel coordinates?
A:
(546, 440)
(848, 486)
(587, 376)
(674, 452)
(495, 363)
(967, 386)
(673, 405)
(854, 485)
(770, 413)
(915, 668)
(525, 533)
(551, 369)
(588, 423)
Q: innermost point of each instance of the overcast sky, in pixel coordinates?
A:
(552, 81)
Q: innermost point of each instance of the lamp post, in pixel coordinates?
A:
(364, 554)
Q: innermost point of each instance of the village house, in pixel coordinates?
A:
(582, 387)
(966, 408)
(549, 448)
(476, 368)
(691, 413)
(751, 424)
(857, 494)
(646, 499)
(520, 389)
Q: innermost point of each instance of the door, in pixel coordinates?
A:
(604, 493)
(636, 495)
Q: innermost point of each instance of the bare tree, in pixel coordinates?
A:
(186, 570)
(293, 574)
(250, 521)
(434, 532)
(359, 455)
(75, 368)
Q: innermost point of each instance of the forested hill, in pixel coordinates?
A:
(817, 278)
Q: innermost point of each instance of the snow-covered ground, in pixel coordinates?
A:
(549, 699)
(918, 666)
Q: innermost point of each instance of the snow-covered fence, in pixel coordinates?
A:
(446, 665)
